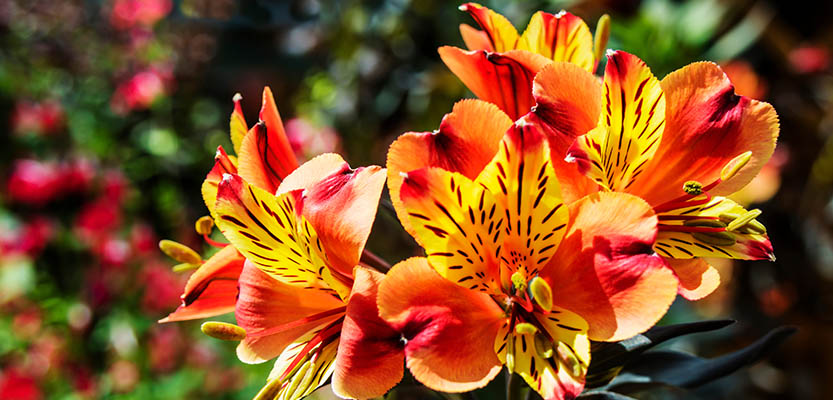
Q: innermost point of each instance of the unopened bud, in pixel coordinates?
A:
(223, 331)
(732, 167)
(204, 225)
(541, 293)
(179, 252)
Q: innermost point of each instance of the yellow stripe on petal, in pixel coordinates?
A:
(270, 232)
(630, 127)
(718, 228)
(500, 32)
(458, 224)
(523, 182)
(559, 37)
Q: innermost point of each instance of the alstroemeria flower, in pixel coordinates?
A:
(304, 298)
(500, 64)
(681, 144)
(513, 275)
(264, 159)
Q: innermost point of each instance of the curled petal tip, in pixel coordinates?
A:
(237, 97)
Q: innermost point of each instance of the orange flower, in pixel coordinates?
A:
(304, 298)
(513, 275)
(681, 144)
(500, 64)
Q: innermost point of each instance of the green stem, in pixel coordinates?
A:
(515, 387)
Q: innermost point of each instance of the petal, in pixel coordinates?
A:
(266, 304)
(475, 39)
(568, 103)
(559, 37)
(370, 358)
(237, 124)
(222, 165)
(265, 154)
(449, 330)
(457, 223)
(501, 34)
(562, 374)
(527, 192)
(466, 141)
(605, 270)
(708, 125)
(698, 279)
(504, 79)
(340, 203)
(615, 153)
(268, 231)
(677, 240)
(212, 288)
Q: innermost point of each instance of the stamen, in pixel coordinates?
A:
(213, 242)
(270, 391)
(223, 331)
(204, 225)
(325, 334)
(693, 188)
(601, 37)
(179, 252)
(569, 359)
(183, 267)
(518, 281)
(732, 167)
(716, 238)
(525, 328)
(744, 219)
(543, 347)
(541, 293)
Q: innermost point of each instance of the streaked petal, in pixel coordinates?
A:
(223, 164)
(698, 279)
(568, 103)
(458, 224)
(465, 142)
(615, 153)
(450, 330)
(265, 304)
(340, 203)
(504, 79)
(370, 358)
(559, 37)
(708, 125)
(501, 34)
(269, 231)
(606, 270)
(312, 370)
(212, 288)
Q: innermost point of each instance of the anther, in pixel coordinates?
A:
(601, 37)
(518, 281)
(715, 238)
(732, 167)
(540, 292)
(543, 346)
(204, 225)
(183, 267)
(744, 219)
(223, 331)
(706, 223)
(179, 252)
(525, 328)
(693, 188)
(569, 359)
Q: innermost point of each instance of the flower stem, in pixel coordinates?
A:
(514, 387)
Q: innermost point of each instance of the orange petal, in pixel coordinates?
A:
(559, 37)
(450, 330)
(340, 203)
(475, 39)
(605, 270)
(466, 141)
(269, 232)
(279, 147)
(504, 79)
(499, 31)
(707, 125)
(237, 124)
(569, 100)
(222, 165)
(370, 354)
(265, 304)
(698, 279)
(212, 288)
(615, 153)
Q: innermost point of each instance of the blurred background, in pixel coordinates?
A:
(111, 111)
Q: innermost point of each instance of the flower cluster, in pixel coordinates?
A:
(557, 209)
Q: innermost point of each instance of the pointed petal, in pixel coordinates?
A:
(605, 270)
(568, 103)
(475, 39)
(265, 303)
(237, 124)
(269, 231)
(457, 223)
(698, 279)
(562, 374)
(340, 203)
(504, 79)
(501, 34)
(527, 192)
(222, 165)
(450, 330)
(743, 243)
(370, 358)
(279, 148)
(466, 141)
(559, 37)
(615, 153)
(212, 288)
(708, 125)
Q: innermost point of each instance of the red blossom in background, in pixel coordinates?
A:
(127, 14)
(29, 239)
(42, 118)
(33, 182)
(16, 385)
(141, 90)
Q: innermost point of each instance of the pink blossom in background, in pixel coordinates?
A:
(42, 118)
(29, 239)
(76, 176)
(143, 240)
(810, 59)
(166, 345)
(97, 219)
(162, 288)
(33, 182)
(140, 90)
(126, 14)
(308, 140)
